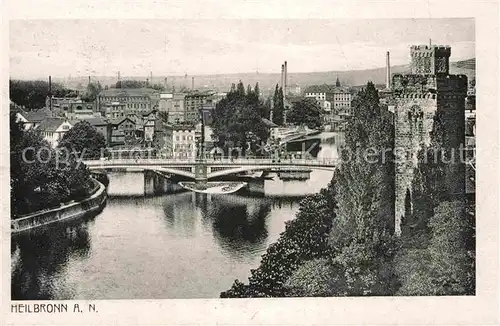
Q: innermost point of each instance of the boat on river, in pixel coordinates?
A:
(213, 187)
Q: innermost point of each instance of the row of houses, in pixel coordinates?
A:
(131, 129)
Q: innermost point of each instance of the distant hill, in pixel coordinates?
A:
(268, 81)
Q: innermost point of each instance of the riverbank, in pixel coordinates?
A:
(63, 213)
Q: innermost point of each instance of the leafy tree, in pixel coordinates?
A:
(306, 111)
(237, 120)
(446, 266)
(33, 93)
(93, 90)
(83, 137)
(305, 238)
(315, 278)
(39, 179)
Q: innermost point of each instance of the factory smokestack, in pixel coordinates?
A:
(286, 80)
(50, 93)
(166, 85)
(282, 76)
(388, 68)
(192, 83)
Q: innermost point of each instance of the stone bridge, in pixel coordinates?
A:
(212, 168)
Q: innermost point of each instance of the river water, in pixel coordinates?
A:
(164, 246)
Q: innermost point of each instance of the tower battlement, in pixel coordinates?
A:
(430, 59)
(422, 84)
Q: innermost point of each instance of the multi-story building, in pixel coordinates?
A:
(124, 127)
(180, 141)
(79, 109)
(173, 105)
(53, 129)
(60, 104)
(113, 110)
(131, 100)
(428, 91)
(331, 98)
(194, 101)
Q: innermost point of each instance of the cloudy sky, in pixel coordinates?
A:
(167, 47)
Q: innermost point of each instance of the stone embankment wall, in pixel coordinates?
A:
(66, 212)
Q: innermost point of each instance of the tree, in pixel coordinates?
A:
(278, 106)
(257, 90)
(39, 180)
(237, 120)
(446, 266)
(93, 90)
(306, 111)
(83, 137)
(305, 238)
(33, 93)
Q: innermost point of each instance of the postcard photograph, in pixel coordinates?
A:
(251, 158)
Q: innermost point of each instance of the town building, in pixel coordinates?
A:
(194, 101)
(331, 98)
(335, 101)
(60, 105)
(32, 119)
(294, 90)
(124, 131)
(149, 124)
(131, 100)
(428, 90)
(174, 105)
(53, 129)
(79, 109)
(180, 141)
(113, 110)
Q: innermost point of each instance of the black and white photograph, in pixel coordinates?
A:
(156, 159)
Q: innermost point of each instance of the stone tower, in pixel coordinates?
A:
(418, 96)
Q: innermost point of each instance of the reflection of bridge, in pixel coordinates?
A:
(211, 168)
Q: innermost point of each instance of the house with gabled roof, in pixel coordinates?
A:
(53, 129)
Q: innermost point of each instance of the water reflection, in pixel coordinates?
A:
(148, 244)
(41, 259)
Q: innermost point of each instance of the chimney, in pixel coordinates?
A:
(151, 77)
(166, 85)
(118, 76)
(50, 93)
(192, 83)
(282, 76)
(286, 80)
(89, 80)
(388, 77)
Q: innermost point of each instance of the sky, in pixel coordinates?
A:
(78, 47)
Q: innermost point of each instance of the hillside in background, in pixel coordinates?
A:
(267, 81)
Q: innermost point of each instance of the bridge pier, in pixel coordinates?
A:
(200, 173)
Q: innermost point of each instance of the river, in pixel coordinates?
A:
(170, 245)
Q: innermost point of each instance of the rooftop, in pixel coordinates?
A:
(124, 92)
(51, 124)
(326, 89)
(35, 116)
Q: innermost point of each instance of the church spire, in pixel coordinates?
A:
(337, 83)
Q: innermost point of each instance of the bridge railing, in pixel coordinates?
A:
(217, 161)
